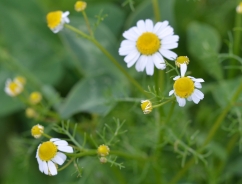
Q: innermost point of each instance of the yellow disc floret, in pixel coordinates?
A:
(103, 150)
(146, 106)
(239, 8)
(54, 19)
(148, 43)
(184, 87)
(35, 97)
(47, 151)
(182, 60)
(80, 6)
(37, 131)
(20, 79)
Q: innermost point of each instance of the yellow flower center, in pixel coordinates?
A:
(182, 60)
(35, 97)
(31, 113)
(47, 151)
(148, 43)
(20, 79)
(103, 150)
(80, 6)
(37, 131)
(54, 19)
(13, 87)
(146, 106)
(184, 87)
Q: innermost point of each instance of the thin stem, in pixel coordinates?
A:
(210, 135)
(110, 57)
(155, 106)
(156, 10)
(87, 23)
(67, 164)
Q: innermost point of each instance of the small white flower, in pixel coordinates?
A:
(48, 155)
(13, 88)
(146, 45)
(185, 88)
(56, 20)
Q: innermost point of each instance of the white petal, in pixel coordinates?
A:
(158, 61)
(130, 35)
(66, 20)
(59, 159)
(65, 14)
(159, 26)
(195, 99)
(171, 92)
(166, 32)
(150, 66)
(45, 168)
(198, 80)
(181, 101)
(52, 168)
(168, 54)
(183, 68)
(177, 77)
(141, 63)
(67, 149)
(189, 98)
(61, 142)
(123, 51)
(54, 139)
(169, 46)
(199, 94)
(62, 155)
(40, 162)
(127, 43)
(149, 25)
(133, 56)
(141, 26)
(170, 39)
(131, 62)
(198, 85)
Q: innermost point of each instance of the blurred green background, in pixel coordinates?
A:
(76, 78)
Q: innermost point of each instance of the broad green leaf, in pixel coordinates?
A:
(204, 44)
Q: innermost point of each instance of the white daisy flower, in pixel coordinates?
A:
(185, 88)
(13, 88)
(146, 45)
(48, 155)
(57, 19)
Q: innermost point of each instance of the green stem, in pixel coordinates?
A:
(237, 43)
(110, 57)
(155, 106)
(156, 10)
(87, 23)
(211, 133)
(67, 164)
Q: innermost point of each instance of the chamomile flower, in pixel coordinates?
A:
(182, 60)
(13, 88)
(185, 88)
(146, 106)
(35, 97)
(49, 154)
(37, 131)
(80, 6)
(56, 20)
(239, 8)
(146, 44)
(103, 150)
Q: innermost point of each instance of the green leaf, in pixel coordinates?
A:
(204, 44)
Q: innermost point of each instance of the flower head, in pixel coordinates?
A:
(146, 45)
(13, 88)
(239, 8)
(103, 150)
(56, 20)
(20, 80)
(35, 97)
(37, 131)
(80, 6)
(185, 88)
(31, 113)
(182, 60)
(48, 155)
(146, 106)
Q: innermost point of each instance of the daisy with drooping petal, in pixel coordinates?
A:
(13, 88)
(185, 88)
(56, 20)
(48, 155)
(146, 44)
